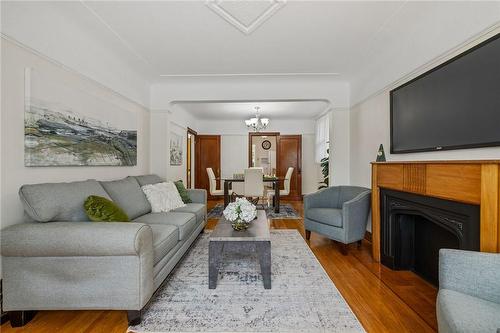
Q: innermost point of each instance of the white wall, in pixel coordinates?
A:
(13, 174)
(170, 90)
(70, 34)
(370, 126)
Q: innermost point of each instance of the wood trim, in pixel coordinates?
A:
(489, 208)
(375, 214)
(188, 149)
(472, 182)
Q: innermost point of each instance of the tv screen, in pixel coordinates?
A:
(453, 106)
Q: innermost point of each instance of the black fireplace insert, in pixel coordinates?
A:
(414, 227)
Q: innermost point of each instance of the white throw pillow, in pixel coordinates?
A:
(163, 197)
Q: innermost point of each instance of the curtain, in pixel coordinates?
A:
(322, 137)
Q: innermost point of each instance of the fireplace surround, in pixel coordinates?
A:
(414, 227)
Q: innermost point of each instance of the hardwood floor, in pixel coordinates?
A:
(382, 299)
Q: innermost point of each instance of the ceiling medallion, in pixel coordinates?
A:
(257, 123)
(247, 29)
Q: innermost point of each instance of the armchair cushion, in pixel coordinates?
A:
(330, 216)
(457, 312)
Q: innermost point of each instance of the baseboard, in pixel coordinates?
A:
(368, 236)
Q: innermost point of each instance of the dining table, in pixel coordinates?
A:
(266, 179)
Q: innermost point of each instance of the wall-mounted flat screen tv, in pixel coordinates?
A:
(453, 106)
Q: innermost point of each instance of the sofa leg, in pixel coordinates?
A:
(20, 318)
(134, 317)
(308, 234)
(360, 242)
(344, 248)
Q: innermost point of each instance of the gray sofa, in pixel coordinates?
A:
(338, 212)
(58, 260)
(469, 292)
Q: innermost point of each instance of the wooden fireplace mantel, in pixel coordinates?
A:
(473, 182)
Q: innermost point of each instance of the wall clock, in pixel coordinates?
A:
(266, 144)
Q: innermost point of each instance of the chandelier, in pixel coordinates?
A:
(257, 123)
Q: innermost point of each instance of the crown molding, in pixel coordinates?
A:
(215, 5)
(71, 70)
(253, 74)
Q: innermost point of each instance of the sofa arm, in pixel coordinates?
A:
(472, 273)
(64, 239)
(198, 195)
(355, 213)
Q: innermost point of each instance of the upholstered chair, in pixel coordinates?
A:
(285, 191)
(254, 184)
(212, 181)
(340, 213)
(469, 291)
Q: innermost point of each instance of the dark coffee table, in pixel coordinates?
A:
(255, 239)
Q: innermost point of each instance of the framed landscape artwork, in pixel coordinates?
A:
(65, 126)
(175, 149)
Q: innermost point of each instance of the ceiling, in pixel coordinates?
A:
(366, 43)
(224, 110)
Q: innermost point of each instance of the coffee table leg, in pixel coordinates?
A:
(264, 250)
(214, 256)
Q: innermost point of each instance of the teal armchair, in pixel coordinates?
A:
(469, 292)
(340, 213)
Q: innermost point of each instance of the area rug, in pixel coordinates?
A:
(286, 212)
(302, 298)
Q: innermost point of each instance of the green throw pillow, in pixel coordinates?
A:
(100, 209)
(182, 192)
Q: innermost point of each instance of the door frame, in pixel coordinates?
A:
(193, 133)
(252, 134)
(197, 161)
(299, 171)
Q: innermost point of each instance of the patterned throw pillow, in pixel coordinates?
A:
(100, 209)
(163, 197)
(183, 192)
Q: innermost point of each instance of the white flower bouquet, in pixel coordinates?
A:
(240, 213)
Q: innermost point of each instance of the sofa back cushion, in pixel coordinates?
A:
(148, 179)
(127, 194)
(59, 201)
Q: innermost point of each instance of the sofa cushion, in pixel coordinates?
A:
(330, 216)
(457, 312)
(59, 201)
(195, 208)
(148, 179)
(127, 194)
(185, 222)
(165, 237)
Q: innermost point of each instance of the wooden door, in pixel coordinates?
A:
(207, 155)
(290, 155)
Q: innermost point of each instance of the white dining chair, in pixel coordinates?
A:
(285, 191)
(212, 180)
(254, 184)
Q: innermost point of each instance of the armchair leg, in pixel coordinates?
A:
(308, 234)
(20, 318)
(344, 249)
(134, 317)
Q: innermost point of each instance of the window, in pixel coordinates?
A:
(322, 137)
